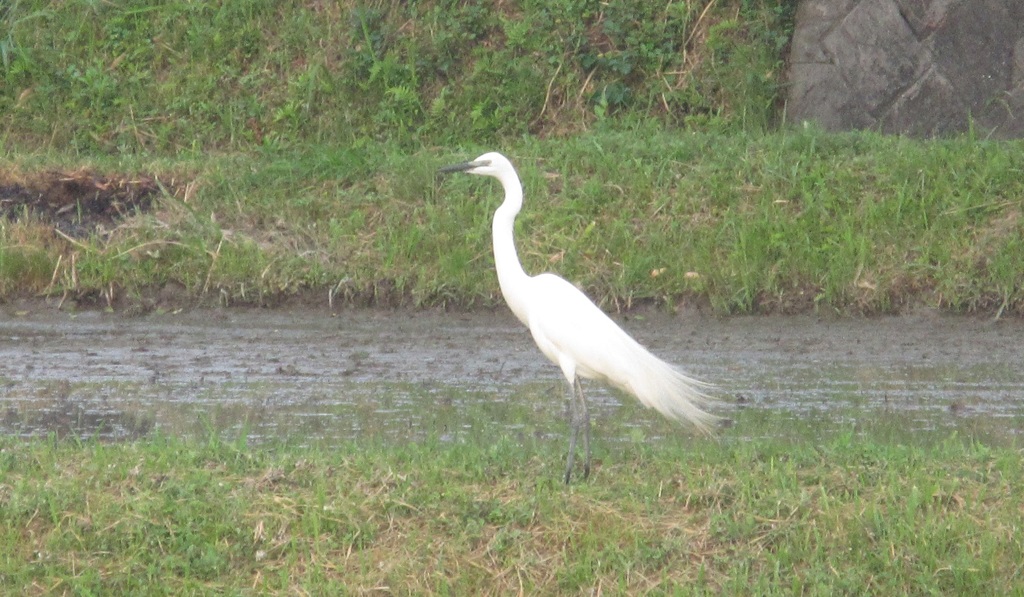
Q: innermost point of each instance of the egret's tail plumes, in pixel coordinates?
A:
(661, 386)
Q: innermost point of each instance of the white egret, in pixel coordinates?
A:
(575, 334)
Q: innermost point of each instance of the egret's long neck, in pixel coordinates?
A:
(511, 277)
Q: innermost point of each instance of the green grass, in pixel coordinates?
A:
(297, 143)
(878, 511)
(134, 76)
(785, 222)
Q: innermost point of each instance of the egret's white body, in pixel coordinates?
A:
(574, 333)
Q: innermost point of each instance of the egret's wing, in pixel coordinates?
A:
(567, 322)
(573, 332)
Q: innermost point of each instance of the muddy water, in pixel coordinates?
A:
(306, 375)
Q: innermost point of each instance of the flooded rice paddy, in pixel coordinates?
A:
(310, 376)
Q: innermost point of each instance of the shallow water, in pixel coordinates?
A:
(300, 375)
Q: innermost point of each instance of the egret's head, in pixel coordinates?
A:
(489, 164)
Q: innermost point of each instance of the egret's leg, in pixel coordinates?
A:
(574, 424)
(585, 423)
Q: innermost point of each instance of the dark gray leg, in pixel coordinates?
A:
(579, 419)
(585, 423)
(574, 430)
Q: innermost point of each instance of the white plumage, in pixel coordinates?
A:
(581, 339)
(575, 334)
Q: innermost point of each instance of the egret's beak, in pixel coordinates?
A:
(463, 166)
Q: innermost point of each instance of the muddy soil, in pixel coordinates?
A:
(285, 372)
(77, 203)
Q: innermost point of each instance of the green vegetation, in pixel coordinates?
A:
(784, 222)
(134, 76)
(295, 145)
(873, 511)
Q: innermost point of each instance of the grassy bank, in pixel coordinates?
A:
(133, 76)
(784, 222)
(875, 512)
(290, 150)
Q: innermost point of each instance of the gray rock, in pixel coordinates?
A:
(916, 67)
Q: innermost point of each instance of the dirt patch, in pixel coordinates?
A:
(77, 203)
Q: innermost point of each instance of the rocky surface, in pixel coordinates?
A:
(918, 67)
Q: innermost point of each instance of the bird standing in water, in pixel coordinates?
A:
(575, 334)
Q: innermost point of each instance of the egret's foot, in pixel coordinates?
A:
(571, 459)
(572, 449)
(568, 465)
